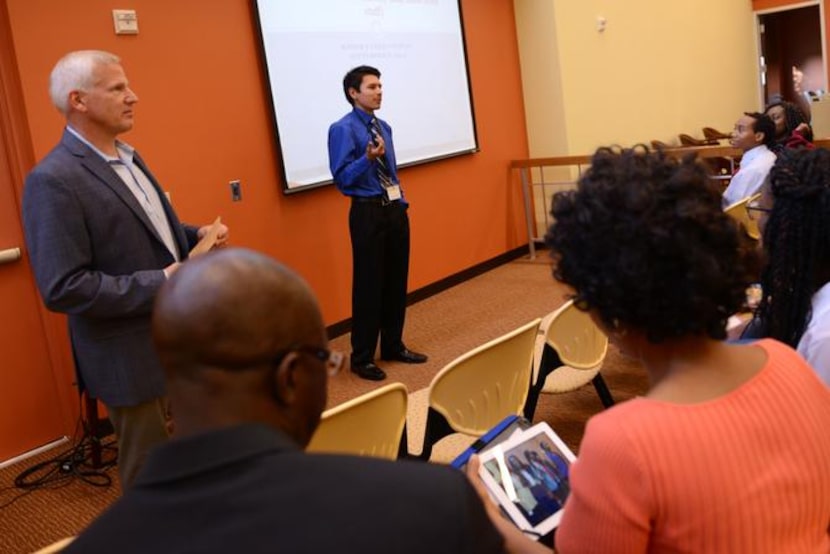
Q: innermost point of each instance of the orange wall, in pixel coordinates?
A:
(203, 119)
(769, 4)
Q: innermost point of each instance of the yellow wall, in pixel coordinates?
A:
(659, 68)
(541, 77)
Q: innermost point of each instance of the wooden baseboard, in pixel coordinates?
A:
(342, 327)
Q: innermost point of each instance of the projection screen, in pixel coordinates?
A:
(418, 45)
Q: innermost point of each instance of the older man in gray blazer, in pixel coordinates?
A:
(102, 238)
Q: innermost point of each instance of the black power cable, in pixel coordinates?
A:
(71, 464)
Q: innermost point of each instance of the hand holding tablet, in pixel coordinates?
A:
(528, 476)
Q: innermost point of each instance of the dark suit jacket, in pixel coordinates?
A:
(97, 257)
(250, 489)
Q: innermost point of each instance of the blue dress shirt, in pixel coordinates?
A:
(354, 173)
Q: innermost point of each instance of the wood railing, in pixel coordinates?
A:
(535, 186)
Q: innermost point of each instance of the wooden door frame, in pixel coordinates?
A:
(16, 159)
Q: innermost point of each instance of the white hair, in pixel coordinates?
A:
(74, 72)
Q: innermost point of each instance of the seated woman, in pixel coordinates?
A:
(792, 128)
(795, 222)
(729, 450)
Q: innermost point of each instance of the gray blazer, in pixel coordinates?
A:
(97, 257)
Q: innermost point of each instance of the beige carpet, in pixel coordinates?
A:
(453, 322)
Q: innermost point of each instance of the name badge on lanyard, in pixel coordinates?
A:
(392, 192)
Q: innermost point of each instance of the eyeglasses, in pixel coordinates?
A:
(756, 207)
(332, 358)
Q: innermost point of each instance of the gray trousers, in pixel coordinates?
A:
(138, 429)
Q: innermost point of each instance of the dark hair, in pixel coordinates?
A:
(354, 77)
(793, 117)
(797, 242)
(763, 124)
(644, 242)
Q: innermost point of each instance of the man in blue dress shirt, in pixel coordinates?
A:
(362, 161)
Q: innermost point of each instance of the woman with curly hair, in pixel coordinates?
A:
(792, 128)
(704, 462)
(795, 307)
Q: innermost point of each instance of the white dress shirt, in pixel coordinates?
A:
(814, 345)
(755, 166)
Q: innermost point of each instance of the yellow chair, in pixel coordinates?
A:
(572, 353)
(56, 546)
(738, 211)
(369, 425)
(477, 390)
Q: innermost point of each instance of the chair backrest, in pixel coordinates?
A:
(369, 425)
(56, 546)
(577, 340)
(738, 211)
(480, 388)
(572, 355)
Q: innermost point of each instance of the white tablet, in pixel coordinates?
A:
(528, 476)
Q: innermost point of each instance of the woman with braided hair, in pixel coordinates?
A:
(795, 221)
(792, 128)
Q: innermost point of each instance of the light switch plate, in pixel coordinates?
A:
(236, 190)
(125, 21)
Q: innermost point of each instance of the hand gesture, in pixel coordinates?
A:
(375, 149)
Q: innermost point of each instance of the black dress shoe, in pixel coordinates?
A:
(369, 371)
(406, 356)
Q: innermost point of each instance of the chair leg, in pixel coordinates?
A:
(403, 447)
(602, 390)
(93, 427)
(532, 400)
(550, 360)
(436, 428)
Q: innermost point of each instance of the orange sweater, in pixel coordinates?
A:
(748, 472)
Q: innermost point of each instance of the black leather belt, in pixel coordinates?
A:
(379, 199)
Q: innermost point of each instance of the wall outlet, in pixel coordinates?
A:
(236, 190)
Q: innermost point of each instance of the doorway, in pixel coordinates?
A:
(792, 45)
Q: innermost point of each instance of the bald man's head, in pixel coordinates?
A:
(225, 327)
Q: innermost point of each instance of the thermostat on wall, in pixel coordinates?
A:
(126, 22)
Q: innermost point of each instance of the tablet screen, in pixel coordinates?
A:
(528, 477)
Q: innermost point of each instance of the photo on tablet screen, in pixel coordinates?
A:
(528, 476)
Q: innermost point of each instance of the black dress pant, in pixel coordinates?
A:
(380, 259)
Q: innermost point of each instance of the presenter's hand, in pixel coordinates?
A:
(377, 149)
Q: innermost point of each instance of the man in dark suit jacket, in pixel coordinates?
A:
(102, 238)
(243, 345)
